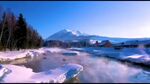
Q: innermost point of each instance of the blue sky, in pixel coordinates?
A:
(129, 19)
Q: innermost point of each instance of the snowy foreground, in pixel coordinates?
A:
(56, 65)
(15, 74)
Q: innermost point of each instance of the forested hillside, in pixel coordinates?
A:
(16, 33)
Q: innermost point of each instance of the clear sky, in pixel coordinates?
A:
(129, 19)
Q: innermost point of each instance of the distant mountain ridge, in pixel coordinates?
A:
(65, 35)
(70, 35)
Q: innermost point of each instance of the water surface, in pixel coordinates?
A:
(96, 69)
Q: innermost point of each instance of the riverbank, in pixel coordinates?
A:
(138, 56)
(97, 69)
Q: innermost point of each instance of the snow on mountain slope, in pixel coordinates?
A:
(69, 35)
(65, 35)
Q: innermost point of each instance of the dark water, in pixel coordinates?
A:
(69, 54)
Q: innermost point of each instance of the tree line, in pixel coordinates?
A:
(57, 43)
(16, 33)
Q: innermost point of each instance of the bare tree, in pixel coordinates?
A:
(11, 25)
(2, 31)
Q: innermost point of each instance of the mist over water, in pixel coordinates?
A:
(96, 69)
(106, 71)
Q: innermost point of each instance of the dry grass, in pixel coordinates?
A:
(15, 61)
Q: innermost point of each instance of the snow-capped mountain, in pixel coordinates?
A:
(70, 35)
(66, 35)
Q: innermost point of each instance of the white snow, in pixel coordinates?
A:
(18, 74)
(59, 74)
(12, 54)
(3, 72)
(71, 35)
(54, 50)
(135, 56)
(33, 53)
(65, 35)
(26, 75)
(138, 55)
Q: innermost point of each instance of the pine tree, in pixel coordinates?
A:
(21, 33)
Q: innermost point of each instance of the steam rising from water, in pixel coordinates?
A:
(96, 70)
(106, 71)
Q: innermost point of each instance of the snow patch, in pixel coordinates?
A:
(20, 74)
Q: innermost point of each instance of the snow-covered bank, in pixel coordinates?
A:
(23, 53)
(7, 57)
(135, 55)
(20, 74)
(55, 75)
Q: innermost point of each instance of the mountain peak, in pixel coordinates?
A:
(66, 30)
(65, 34)
(71, 35)
(76, 33)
